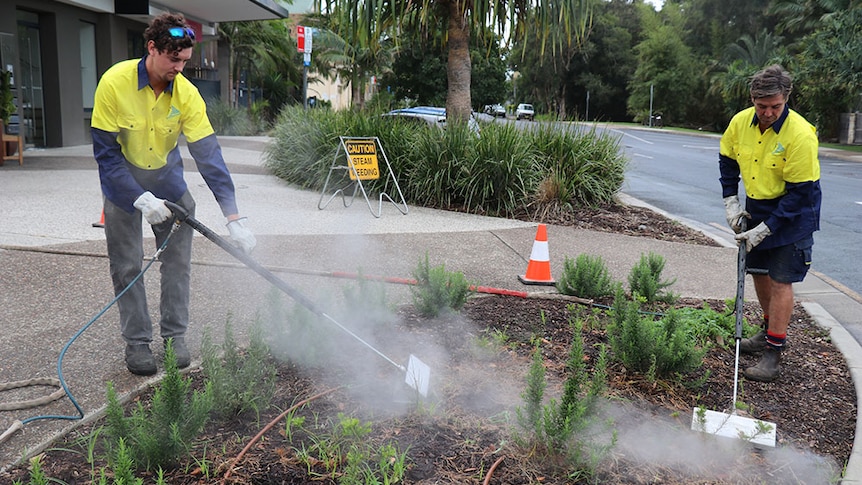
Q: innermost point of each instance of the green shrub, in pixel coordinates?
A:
(159, 434)
(493, 174)
(294, 332)
(438, 290)
(656, 348)
(227, 120)
(562, 429)
(709, 326)
(123, 465)
(7, 98)
(577, 166)
(645, 279)
(241, 381)
(503, 171)
(37, 475)
(587, 277)
(305, 144)
(530, 416)
(346, 453)
(366, 302)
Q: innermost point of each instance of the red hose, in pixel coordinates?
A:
(411, 281)
(491, 470)
(269, 426)
(384, 279)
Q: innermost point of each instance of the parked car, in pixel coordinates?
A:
(495, 110)
(430, 115)
(524, 111)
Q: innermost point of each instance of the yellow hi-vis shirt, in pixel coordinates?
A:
(148, 128)
(769, 160)
(780, 171)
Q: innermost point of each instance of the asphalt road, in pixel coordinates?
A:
(678, 173)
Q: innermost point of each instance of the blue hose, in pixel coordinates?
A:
(85, 327)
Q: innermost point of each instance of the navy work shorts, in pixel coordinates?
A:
(784, 264)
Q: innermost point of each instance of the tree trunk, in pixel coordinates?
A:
(360, 93)
(355, 93)
(458, 101)
(561, 113)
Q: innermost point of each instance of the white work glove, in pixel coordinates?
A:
(154, 209)
(734, 212)
(754, 236)
(241, 236)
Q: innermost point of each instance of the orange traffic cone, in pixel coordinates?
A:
(101, 222)
(539, 267)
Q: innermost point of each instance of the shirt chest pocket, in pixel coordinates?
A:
(744, 154)
(169, 127)
(774, 162)
(167, 133)
(132, 137)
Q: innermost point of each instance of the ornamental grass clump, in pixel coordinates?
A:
(578, 167)
(305, 144)
(502, 171)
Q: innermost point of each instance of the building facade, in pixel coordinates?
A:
(57, 50)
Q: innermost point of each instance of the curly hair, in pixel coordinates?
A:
(771, 81)
(158, 33)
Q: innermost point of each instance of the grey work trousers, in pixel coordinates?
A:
(124, 235)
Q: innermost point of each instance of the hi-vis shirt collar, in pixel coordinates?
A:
(776, 127)
(144, 78)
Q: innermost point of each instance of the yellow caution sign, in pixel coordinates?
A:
(363, 158)
(363, 163)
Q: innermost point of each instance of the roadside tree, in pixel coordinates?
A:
(461, 18)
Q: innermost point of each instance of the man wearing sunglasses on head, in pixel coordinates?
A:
(141, 108)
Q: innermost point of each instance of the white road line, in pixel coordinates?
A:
(629, 134)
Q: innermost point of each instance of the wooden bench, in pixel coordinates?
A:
(11, 147)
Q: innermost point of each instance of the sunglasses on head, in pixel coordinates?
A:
(180, 32)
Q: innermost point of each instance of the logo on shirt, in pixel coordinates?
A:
(779, 149)
(174, 112)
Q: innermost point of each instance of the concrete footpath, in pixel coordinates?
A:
(54, 272)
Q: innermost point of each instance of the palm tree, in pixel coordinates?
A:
(757, 52)
(517, 19)
(261, 48)
(805, 16)
(729, 79)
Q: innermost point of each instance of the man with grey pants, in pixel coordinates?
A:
(141, 108)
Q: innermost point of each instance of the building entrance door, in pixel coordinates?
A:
(30, 80)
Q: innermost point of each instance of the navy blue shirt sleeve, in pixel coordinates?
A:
(118, 184)
(793, 207)
(211, 165)
(729, 176)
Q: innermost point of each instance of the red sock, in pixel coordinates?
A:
(775, 340)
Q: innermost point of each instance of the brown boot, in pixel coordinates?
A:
(766, 369)
(754, 344)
